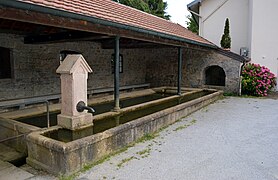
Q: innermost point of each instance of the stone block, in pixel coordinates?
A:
(75, 122)
(66, 158)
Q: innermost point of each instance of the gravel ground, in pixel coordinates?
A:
(234, 138)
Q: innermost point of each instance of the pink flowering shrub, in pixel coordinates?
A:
(257, 80)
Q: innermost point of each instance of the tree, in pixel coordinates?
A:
(226, 38)
(155, 7)
(192, 25)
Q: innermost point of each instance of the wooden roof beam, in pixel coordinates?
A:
(62, 37)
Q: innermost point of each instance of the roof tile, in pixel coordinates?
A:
(118, 13)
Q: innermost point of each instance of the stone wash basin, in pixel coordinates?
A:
(59, 156)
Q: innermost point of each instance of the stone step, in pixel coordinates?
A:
(9, 171)
(9, 154)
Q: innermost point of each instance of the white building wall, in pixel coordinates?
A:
(253, 24)
(264, 42)
(214, 14)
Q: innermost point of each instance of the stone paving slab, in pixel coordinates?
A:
(9, 154)
(4, 165)
(10, 172)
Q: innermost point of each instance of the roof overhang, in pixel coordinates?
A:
(232, 55)
(32, 13)
(193, 8)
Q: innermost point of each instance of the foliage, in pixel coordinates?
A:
(155, 7)
(257, 80)
(158, 7)
(226, 38)
(192, 25)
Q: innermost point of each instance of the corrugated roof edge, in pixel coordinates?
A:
(57, 12)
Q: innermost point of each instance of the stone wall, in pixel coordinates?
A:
(163, 66)
(61, 158)
(34, 67)
(196, 62)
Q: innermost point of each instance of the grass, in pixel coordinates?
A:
(125, 161)
(87, 167)
(185, 125)
(249, 96)
(243, 95)
(193, 121)
(71, 177)
(147, 137)
(143, 152)
(181, 127)
(229, 94)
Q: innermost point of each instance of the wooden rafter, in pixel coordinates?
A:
(62, 37)
(81, 25)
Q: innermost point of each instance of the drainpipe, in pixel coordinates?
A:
(240, 77)
(117, 74)
(179, 70)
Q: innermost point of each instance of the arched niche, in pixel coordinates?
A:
(215, 75)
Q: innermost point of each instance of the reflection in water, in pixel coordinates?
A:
(41, 121)
(107, 123)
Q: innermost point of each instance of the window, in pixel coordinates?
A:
(5, 63)
(215, 76)
(120, 63)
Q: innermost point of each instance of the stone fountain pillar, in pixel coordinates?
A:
(74, 74)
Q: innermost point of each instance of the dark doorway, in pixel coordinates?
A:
(215, 76)
(5, 63)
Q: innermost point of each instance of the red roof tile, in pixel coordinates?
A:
(114, 12)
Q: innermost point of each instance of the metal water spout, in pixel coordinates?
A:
(81, 106)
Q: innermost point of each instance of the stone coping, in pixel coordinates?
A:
(59, 157)
(37, 137)
(21, 127)
(57, 107)
(17, 127)
(92, 101)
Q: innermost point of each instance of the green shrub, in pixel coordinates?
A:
(226, 38)
(257, 80)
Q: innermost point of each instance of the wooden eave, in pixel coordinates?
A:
(81, 25)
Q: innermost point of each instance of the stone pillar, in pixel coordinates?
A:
(74, 74)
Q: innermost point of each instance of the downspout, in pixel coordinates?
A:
(240, 77)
